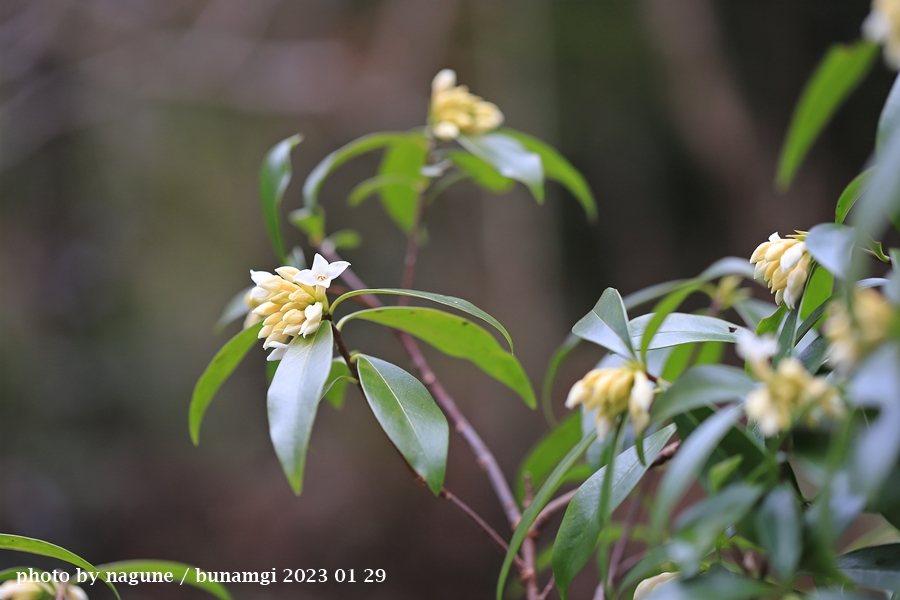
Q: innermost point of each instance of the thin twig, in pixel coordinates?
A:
(412, 249)
(634, 510)
(552, 507)
(529, 552)
(547, 588)
(491, 533)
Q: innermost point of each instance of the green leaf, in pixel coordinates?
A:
(851, 194)
(234, 310)
(753, 311)
(583, 522)
(662, 310)
(890, 117)
(538, 503)
(652, 292)
(482, 172)
(810, 320)
(556, 360)
(875, 567)
(345, 239)
(786, 339)
(720, 584)
(679, 360)
(702, 386)
(557, 168)
(294, 397)
(721, 472)
(780, 531)
(682, 328)
(881, 201)
(219, 369)
(42, 548)
(338, 378)
(818, 291)
(310, 221)
(357, 147)
(551, 449)
(180, 572)
(831, 244)
(454, 336)
(374, 185)
(688, 461)
(770, 324)
(839, 73)
(274, 177)
(409, 417)
(813, 356)
(510, 157)
(607, 324)
(405, 159)
(457, 303)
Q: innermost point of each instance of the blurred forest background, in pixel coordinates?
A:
(131, 133)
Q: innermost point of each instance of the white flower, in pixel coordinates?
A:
(278, 352)
(454, 110)
(639, 402)
(784, 265)
(443, 81)
(322, 272)
(648, 585)
(753, 348)
(313, 314)
(883, 26)
(612, 391)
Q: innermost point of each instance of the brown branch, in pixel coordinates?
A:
(491, 533)
(529, 574)
(547, 588)
(412, 249)
(634, 510)
(552, 507)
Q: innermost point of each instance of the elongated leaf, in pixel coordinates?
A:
(374, 185)
(294, 397)
(831, 244)
(557, 168)
(753, 311)
(457, 303)
(274, 177)
(683, 328)
(457, 337)
(851, 194)
(875, 567)
(650, 293)
(510, 157)
(583, 522)
(688, 462)
(702, 386)
(817, 293)
(338, 378)
(482, 172)
(181, 574)
(839, 73)
(556, 360)
(787, 336)
(607, 324)
(780, 531)
(222, 365)
(234, 310)
(404, 159)
(889, 120)
(409, 417)
(813, 356)
(551, 449)
(538, 503)
(42, 548)
(770, 324)
(880, 203)
(662, 310)
(359, 146)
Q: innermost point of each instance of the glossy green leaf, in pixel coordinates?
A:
(607, 324)
(702, 386)
(720, 584)
(889, 120)
(810, 320)
(336, 384)
(219, 369)
(839, 73)
(408, 415)
(556, 360)
(181, 573)
(405, 159)
(771, 323)
(679, 360)
(274, 177)
(481, 172)
(454, 336)
(662, 310)
(293, 399)
(780, 531)
(557, 168)
(753, 311)
(583, 521)
(831, 244)
(688, 462)
(813, 356)
(357, 147)
(710, 353)
(510, 157)
(457, 303)
(818, 291)
(875, 567)
(851, 194)
(786, 339)
(550, 449)
(42, 548)
(682, 328)
(538, 503)
(234, 310)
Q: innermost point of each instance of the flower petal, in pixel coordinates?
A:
(336, 268)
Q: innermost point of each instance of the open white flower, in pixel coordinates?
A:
(322, 272)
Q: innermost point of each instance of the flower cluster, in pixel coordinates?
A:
(883, 26)
(851, 336)
(290, 302)
(611, 391)
(12, 590)
(784, 265)
(789, 390)
(455, 110)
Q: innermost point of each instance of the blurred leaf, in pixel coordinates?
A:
(457, 337)
(753, 311)
(880, 203)
(405, 159)
(851, 194)
(557, 168)
(311, 221)
(481, 172)
(556, 360)
(818, 292)
(702, 386)
(780, 531)
(583, 521)
(786, 339)
(222, 365)
(839, 73)
(294, 397)
(710, 353)
(178, 570)
(549, 450)
(41, 548)
(408, 415)
(234, 310)
(679, 360)
(345, 239)
(457, 303)
(296, 258)
(770, 324)
(652, 292)
(720, 472)
(813, 356)
(876, 567)
(682, 328)
(374, 185)
(890, 117)
(689, 460)
(510, 157)
(831, 244)
(338, 378)
(538, 503)
(607, 324)
(721, 585)
(274, 177)
(359, 146)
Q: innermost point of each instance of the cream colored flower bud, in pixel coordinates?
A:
(11, 590)
(883, 27)
(853, 336)
(645, 587)
(455, 111)
(784, 265)
(612, 391)
(313, 315)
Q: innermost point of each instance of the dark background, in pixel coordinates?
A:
(131, 134)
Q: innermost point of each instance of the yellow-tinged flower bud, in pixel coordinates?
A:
(853, 336)
(454, 110)
(612, 391)
(645, 587)
(883, 26)
(29, 590)
(784, 265)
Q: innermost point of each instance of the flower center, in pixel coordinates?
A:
(321, 277)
